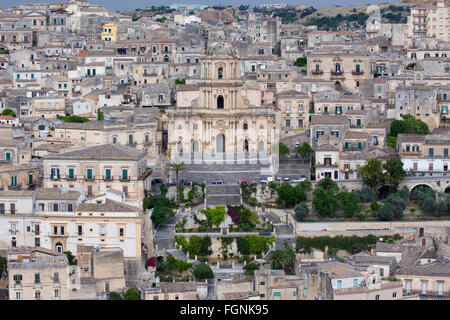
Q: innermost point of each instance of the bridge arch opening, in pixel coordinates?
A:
(447, 190)
(420, 191)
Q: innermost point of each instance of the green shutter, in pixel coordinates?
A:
(89, 174)
(71, 173)
(124, 174)
(108, 174)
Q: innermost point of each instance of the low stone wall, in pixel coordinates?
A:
(311, 229)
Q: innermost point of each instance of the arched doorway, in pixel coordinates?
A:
(59, 247)
(220, 143)
(195, 146)
(420, 191)
(13, 242)
(220, 102)
(180, 147)
(245, 145)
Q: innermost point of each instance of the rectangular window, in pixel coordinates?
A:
(55, 207)
(394, 294)
(424, 287)
(124, 174)
(305, 292)
(37, 278)
(89, 174)
(62, 230)
(55, 230)
(408, 286)
(440, 287)
(431, 152)
(71, 173)
(377, 297)
(381, 272)
(56, 293)
(121, 232)
(56, 276)
(70, 207)
(102, 231)
(355, 283)
(108, 174)
(277, 294)
(445, 152)
(358, 122)
(339, 284)
(80, 230)
(17, 295)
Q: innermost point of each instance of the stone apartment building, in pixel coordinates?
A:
(37, 274)
(425, 154)
(95, 169)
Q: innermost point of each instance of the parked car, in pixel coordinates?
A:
(243, 181)
(286, 179)
(263, 180)
(297, 144)
(265, 233)
(217, 181)
(278, 178)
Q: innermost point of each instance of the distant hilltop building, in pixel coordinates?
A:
(181, 6)
(273, 5)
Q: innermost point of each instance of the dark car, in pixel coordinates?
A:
(217, 181)
(265, 233)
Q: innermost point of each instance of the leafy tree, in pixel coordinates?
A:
(243, 7)
(386, 213)
(301, 211)
(250, 268)
(146, 203)
(114, 296)
(325, 202)
(70, 257)
(8, 112)
(132, 294)
(397, 126)
(161, 20)
(304, 150)
(327, 184)
(203, 271)
(394, 171)
(301, 62)
(366, 194)
(404, 193)
(214, 216)
(391, 141)
(281, 149)
(372, 174)
(283, 258)
(348, 203)
(100, 115)
(396, 205)
(161, 214)
(180, 81)
(289, 195)
(3, 264)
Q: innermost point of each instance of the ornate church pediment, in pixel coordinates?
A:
(337, 58)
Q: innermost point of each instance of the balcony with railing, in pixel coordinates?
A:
(357, 72)
(337, 74)
(15, 187)
(316, 72)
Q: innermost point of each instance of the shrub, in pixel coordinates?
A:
(161, 214)
(301, 211)
(250, 268)
(203, 271)
(132, 294)
(8, 112)
(374, 206)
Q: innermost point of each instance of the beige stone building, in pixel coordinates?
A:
(175, 291)
(220, 114)
(37, 274)
(95, 169)
(48, 106)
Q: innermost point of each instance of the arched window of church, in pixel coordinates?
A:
(220, 73)
(220, 102)
(195, 146)
(220, 143)
(245, 145)
(245, 126)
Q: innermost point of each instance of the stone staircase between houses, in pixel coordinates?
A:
(225, 194)
(294, 167)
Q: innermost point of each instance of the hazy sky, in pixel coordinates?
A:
(123, 5)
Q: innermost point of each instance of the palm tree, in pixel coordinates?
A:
(177, 167)
(283, 258)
